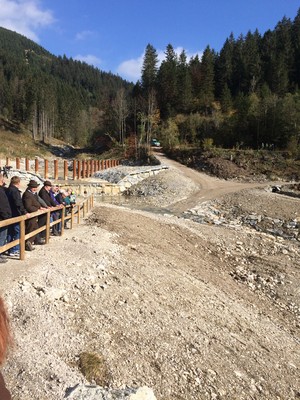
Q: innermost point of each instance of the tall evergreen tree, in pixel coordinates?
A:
(167, 83)
(207, 79)
(149, 68)
(184, 85)
(295, 37)
(196, 80)
(224, 66)
(252, 62)
(149, 81)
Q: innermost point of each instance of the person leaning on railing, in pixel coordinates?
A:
(13, 193)
(32, 204)
(46, 195)
(5, 343)
(5, 213)
(53, 193)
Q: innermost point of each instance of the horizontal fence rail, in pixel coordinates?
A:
(59, 169)
(77, 211)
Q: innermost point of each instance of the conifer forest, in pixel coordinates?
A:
(247, 95)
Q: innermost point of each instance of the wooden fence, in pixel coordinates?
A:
(61, 169)
(77, 212)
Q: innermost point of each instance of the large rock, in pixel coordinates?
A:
(89, 392)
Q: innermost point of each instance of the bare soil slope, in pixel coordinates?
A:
(195, 311)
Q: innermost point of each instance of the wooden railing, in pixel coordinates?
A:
(77, 212)
(61, 169)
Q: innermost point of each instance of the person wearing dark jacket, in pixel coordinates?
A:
(45, 194)
(17, 208)
(5, 343)
(5, 213)
(32, 204)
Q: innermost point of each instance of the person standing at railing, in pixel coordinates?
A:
(32, 204)
(46, 195)
(5, 213)
(56, 194)
(13, 193)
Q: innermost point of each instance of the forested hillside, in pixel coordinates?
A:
(52, 96)
(245, 96)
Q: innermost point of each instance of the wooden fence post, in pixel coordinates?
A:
(22, 239)
(62, 221)
(74, 170)
(36, 165)
(72, 217)
(26, 164)
(78, 214)
(65, 170)
(7, 161)
(47, 237)
(55, 170)
(92, 167)
(79, 169)
(17, 163)
(46, 169)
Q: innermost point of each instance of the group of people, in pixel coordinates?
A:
(14, 204)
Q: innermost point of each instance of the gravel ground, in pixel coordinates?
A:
(192, 310)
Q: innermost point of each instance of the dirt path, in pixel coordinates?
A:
(193, 311)
(208, 187)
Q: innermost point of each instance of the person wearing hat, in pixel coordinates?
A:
(45, 194)
(17, 208)
(32, 204)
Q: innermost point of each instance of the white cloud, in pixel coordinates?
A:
(89, 59)
(131, 69)
(83, 35)
(24, 17)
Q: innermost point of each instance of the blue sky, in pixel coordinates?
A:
(112, 34)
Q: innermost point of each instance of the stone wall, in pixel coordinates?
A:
(96, 185)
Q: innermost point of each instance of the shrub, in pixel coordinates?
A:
(94, 368)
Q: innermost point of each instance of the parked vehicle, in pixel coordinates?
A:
(155, 143)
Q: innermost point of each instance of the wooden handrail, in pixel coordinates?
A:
(60, 168)
(75, 210)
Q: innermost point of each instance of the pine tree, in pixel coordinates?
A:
(184, 85)
(149, 81)
(224, 67)
(207, 79)
(149, 68)
(167, 83)
(295, 37)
